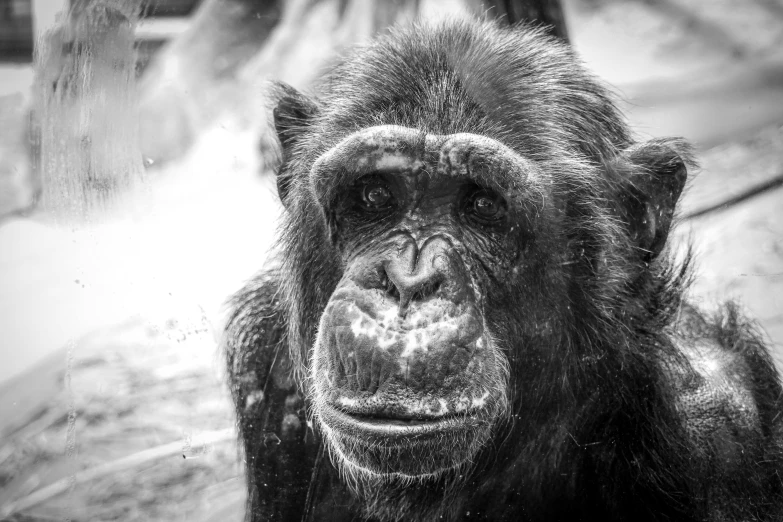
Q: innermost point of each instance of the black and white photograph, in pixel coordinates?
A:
(391, 260)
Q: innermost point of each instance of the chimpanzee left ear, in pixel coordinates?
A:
(292, 115)
(653, 175)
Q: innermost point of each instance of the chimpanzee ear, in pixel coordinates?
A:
(655, 174)
(292, 114)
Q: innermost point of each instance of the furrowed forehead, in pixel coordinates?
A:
(401, 150)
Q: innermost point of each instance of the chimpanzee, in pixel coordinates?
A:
(474, 315)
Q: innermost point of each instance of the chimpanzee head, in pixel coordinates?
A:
(469, 228)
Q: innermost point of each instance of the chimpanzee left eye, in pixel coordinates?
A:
(487, 205)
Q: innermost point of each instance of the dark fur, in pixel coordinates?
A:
(594, 335)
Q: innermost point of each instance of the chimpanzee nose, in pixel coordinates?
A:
(415, 275)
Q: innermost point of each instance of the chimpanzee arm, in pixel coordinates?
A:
(280, 449)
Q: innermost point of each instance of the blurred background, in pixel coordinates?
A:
(136, 194)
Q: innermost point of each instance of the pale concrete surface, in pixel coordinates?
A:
(189, 239)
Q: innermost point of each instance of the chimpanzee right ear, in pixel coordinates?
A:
(293, 113)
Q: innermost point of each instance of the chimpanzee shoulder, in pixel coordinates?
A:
(731, 401)
(280, 449)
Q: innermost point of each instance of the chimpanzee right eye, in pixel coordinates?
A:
(374, 195)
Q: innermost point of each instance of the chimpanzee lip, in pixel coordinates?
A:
(385, 426)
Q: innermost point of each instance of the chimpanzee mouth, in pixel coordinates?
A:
(383, 421)
(391, 427)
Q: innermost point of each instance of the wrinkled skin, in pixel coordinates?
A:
(404, 364)
(474, 314)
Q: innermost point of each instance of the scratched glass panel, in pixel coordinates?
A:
(86, 108)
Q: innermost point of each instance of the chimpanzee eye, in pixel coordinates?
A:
(487, 205)
(376, 195)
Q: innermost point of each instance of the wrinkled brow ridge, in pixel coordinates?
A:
(394, 149)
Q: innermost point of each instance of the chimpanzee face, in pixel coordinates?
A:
(407, 376)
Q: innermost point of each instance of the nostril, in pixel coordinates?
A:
(425, 290)
(389, 287)
(410, 287)
(416, 276)
(392, 290)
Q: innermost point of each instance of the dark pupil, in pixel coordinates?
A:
(485, 206)
(376, 195)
